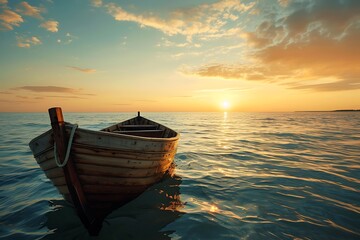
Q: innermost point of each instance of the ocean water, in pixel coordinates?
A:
(238, 176)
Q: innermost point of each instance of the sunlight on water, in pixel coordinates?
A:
(238, 176)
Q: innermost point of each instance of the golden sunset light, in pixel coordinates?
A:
(187, 119)
(225, 105)
(276, 55)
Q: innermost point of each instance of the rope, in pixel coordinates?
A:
(74, 127)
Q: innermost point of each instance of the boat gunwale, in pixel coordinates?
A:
(105, 133)
(157, 139)
(97, 133)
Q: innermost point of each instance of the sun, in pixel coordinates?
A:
(225, 105)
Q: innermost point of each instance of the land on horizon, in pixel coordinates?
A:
(340, 110)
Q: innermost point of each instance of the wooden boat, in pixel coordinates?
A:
(107, 168)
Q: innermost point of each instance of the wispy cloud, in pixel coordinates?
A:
(219, 70)
(283, 3)
(68, 97)
(15, 101)
(27, 42)
(9, 19)
(50, 25)
(340, 85)
(39, 95)
(122, 104)
(205, 19)
(167, 43)
(97, 3)
(314, 41)
(84, 70)
(144, 20)
(22, 97)
(220, 90)
(26, 9)
(47, 89)
(184, 96)
(67, 39)
(47, 92)
(145, 100)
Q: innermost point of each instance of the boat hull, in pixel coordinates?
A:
(112, 168)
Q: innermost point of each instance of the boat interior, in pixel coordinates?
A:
(140, 130)
(142, 127)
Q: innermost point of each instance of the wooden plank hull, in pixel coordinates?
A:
(113, 168)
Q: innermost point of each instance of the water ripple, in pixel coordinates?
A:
(240, 176)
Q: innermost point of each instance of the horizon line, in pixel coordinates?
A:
(336, 110)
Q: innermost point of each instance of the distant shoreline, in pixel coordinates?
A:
(341, 110)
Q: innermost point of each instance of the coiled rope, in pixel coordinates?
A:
(72, 133)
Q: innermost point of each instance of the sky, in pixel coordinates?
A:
(188, 55)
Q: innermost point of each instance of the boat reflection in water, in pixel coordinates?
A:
(142, 218)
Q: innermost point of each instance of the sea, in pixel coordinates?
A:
(292, 175)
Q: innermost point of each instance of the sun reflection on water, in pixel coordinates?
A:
(209, 207)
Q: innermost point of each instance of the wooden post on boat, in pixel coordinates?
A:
(77, 195)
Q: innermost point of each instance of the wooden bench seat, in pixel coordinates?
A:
(137, 127)
(142, 133)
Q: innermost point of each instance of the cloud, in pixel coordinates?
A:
(330, 18)
(312, 42)
(47, 89)
(84, 70)
(27, 42)
(145, 100)
(332, 86)
(167, 43)
(15, 101)
(67, 39)
(51, 25)
(9, 19)
(145, 21)
(184, 96)
(283, 3)
(221, 90)
(204, 19)
(226, 71)
(27, 93)
(69, 97)
(28, 10)
(96, 3)
(66, 93)
(122, 104)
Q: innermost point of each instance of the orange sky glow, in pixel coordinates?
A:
(214, 55)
